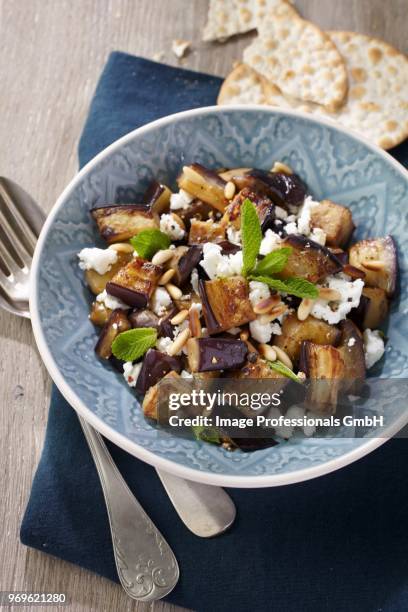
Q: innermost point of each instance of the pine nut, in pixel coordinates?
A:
(194, 323)
(162, 256)
(266, 305)
(229, 190)
(281, 167)
(167, 276)
(179, 221)
(174, 291)
(373, 264)
(179, 342)
(122, 247)
(305, 308)
(283, 357)
(179, 317)
(267, 351)
(330, 295)
(273, 314)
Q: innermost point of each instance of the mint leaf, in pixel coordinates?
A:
(280, 367)
(274, 262)
(149, 241)
(299, 287)
(133, 344)
(206, 434)
(251, 236)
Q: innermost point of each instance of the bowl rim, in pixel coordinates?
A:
(210, 478)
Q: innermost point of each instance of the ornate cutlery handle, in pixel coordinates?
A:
(146, 565)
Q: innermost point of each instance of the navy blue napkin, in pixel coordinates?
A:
(337, 543)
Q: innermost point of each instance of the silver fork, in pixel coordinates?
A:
(206, 510)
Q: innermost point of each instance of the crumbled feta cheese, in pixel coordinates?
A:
(131, 372)
(194, 280)
(160, 300)
(180, 47)
(180, 200)
(261, 331)
(163, 344)
(185, 374)
(218, 265)
(110, 301)
(304, 219)
(351, 342)
(234, 235)
(258, 292)
(280, 213)
(373, 347)
(270, 242)
(291, 228)
(318, 235)
(334, 312)
(100, 260)
(169, 226)
(276, 329)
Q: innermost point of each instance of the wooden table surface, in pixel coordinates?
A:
(52, 52)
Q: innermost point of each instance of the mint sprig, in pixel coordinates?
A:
(149, 241)
(206, 434)
(251, 235)
(133, 344)
(280, 367)
(299, 287)
(274, 262)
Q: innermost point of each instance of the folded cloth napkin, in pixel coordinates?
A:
(337, 543)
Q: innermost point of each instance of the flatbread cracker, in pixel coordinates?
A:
(299, 58)
(244, 86)
(230, 17)
(377, 104)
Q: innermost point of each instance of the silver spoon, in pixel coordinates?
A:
(206, 510)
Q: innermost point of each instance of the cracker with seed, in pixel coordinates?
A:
(377, 103)
(244, 86)
(230, 17)
(299, 58)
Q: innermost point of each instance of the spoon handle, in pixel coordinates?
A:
(146, 565)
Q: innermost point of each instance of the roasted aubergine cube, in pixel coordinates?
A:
(265, 209)
(147, 318)
(97, 282)
(225, 303)
(309, 260)
(115, 325)
(184, 260)
(123, 221)
(352, 352)
(155, 365)
(151, 399)
(197, 209)
(378, 259)
(324, 365)
(203, 184)
(205, 231)
(372, 310)
(335, 220)
(207, 354)
(294, 332)
(135, 283)
(99, 314)
(157, 198)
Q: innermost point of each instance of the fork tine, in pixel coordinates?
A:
(15, 219)
(29, 210)
(14, 242)
(5, 258)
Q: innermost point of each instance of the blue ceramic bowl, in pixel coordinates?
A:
(334, 162)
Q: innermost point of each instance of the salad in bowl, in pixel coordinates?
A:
(241, 274)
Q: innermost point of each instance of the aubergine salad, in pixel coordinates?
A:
(238, 274)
